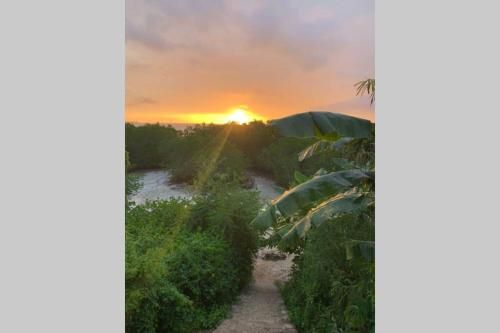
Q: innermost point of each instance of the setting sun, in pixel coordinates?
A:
(239, 116)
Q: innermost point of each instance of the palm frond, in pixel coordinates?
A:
(367, 86)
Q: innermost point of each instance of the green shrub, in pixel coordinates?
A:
(252, 138)
(227, 210)
(149, 232)
(132, 183)
(201, 268)
(161, 308)
(196, 284)
(280, 159)
(144, 144)
(205, 152)
(329, 292)
(186, 261)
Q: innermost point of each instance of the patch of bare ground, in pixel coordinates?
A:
(260, 308)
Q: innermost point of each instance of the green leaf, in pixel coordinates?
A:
(305, 194)
(300, 177)
(367, 86)
(266, 218)
(323, 124)
(323, 146)
(347, 202)
(343, 163)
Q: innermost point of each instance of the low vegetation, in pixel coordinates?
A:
(186, 261)
(329, 291)
(230, 150)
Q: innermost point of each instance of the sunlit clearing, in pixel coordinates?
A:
(239, 116)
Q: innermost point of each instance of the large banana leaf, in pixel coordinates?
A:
(305, 194)
(323, 146)
(347, 202)
(316, 123)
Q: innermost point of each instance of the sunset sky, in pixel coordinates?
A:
(193, 61)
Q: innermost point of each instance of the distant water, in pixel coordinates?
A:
(180, 127)
(177, 126)
(156, 185)
(268, 189)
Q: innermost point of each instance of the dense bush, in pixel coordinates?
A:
(210, 160)
(227, 151)
(186, 261)
(279, 160)
(132, 183)
(200, 266)
(147, 144)
(149, 232)
(331, 290)
(228, 210)
(252, 139)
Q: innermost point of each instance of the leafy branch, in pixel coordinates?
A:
(367, 86)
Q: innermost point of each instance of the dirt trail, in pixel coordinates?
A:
(260, 308)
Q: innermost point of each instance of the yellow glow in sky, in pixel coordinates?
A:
(239, 114)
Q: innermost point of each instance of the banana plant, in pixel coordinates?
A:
(306, 194)
(327, 195)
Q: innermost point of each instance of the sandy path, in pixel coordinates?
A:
(260, 308)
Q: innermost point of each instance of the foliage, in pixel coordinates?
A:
(209, 151)
(308, 194)
(149, 232)
(323, 125)
(186, 261)
(225, 163)
(132, 183)
(252, 139)
(201, 268)
(227, 210)
(344, 153)
(329, 291)
(350, 202)
(279, 159)
(224, 152)
(323, 146)
(352, 161)
(145, 144)
(367, 86)
(327, 219)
